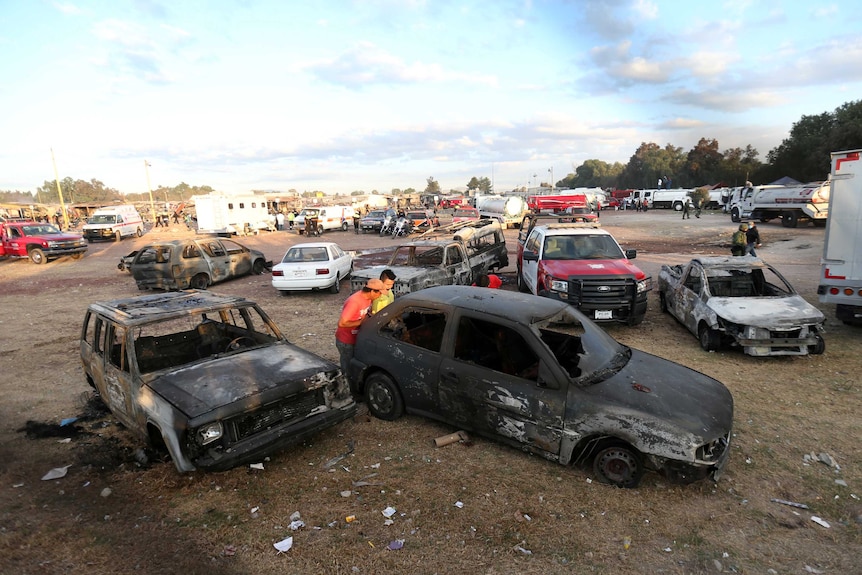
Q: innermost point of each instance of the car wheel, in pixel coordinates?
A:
(257, 267)
(37, 256)
(343, 226)
(200, 281)
(139, 232)
(618, 465)
(735, 216)
(710, 339)
(383, 397)
(335, 287)
(522, 286)
(819, 347)
(662, 303)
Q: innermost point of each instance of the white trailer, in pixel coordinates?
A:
(673, 199)
(508, 210)
(224, 214)
(841, 266)
(792, 204)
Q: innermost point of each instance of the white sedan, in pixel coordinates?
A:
(312, 266)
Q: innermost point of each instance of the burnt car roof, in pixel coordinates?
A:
(506, 304)
(147, 308)
(731, 262)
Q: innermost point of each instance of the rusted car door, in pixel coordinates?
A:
(217, 258)
(457, 265)
(686, 296)
(239, 258)
(491, 383)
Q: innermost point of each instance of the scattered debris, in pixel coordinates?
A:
(56, 473)
(445, 440)
(388, 512)
(841, 482)
(258, 466)
(295, 525)
(346, 493)
(521, 549)
(395, 545)
(337, 458)
(106, 492)
(821, 522)
(362, 482)
(790, 503)
(350, 518)
(284, 545)
(229, 550)
(627, 542)
(459, 504)
(810, 569)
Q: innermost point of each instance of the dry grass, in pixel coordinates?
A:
(156, 521)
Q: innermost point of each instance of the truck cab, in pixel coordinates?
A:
(582, 264)
(38, 241)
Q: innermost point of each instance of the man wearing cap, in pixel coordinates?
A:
(356, 308)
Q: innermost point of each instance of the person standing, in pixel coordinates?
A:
(697, 206)
(686, 207)
(752, 239)
(387, 276)
(738, 244)
(291, 215)
(355, 309)
(279, 221)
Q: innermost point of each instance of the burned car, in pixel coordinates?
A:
(193, 263)
(208, 378)
(537, 374)
(743, 302)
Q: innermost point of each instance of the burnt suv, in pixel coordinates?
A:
(209, 378)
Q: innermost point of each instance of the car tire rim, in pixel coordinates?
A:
(380, 398)
(617, 466)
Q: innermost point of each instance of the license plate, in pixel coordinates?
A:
(300, 273)
(604, 314)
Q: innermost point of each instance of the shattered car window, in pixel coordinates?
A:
(585, 351)
(496, 347)
(422, 328)
(182, 340)
(747, 282)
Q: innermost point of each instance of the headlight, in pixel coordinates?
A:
(559, 285)
(53, 244)
(209, 433)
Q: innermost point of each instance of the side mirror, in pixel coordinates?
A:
(530, 256)
(631, 254)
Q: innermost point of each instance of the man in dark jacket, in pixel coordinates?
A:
(752, 239)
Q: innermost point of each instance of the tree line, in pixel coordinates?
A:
(804, 155)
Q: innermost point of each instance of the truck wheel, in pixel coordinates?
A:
(319, 230)
(200, 281)
(257, 267)
(118, 236)
(336, 287)
(734, 215)
(37, 256)
(343, 226)
(383, 397)
(789, 219)
(139, 232)
(677, 206)
(522, 287)
(710, 339)
(77, 256)
(819, 347)
(618, 465)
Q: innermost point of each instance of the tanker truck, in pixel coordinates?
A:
(809, 202)
(841, 266)
(508, 210)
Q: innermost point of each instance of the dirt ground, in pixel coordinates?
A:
(120, 510)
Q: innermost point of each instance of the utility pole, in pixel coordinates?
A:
(150, 190)
(60, 192)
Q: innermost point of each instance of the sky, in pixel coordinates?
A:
(344, 96)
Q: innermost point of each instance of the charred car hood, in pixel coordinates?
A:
(566, 268)
(203, 387)
(766, 312)
(667, 391)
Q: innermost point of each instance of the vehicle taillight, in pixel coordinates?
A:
(277, 273)
(322, 271)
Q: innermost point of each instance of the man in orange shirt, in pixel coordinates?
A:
(356, 308)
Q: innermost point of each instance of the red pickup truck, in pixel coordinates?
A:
(38, 241)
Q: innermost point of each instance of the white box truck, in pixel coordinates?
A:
(114, 223)
(841, 266)
(224, 214)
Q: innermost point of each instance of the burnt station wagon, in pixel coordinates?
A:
(537, 374)
(209, 378)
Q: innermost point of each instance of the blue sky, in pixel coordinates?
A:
(361, 95)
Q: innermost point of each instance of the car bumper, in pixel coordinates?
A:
(303, 284)
(254, 449)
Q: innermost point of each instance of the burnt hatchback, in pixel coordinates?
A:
(209, 378)
(535, 373)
